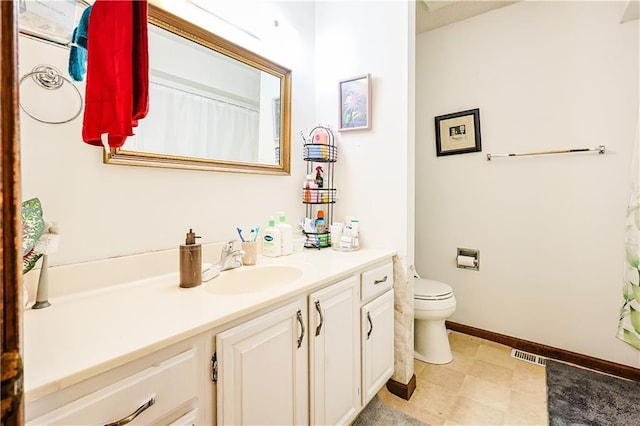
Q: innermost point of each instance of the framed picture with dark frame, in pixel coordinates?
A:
(458, 133)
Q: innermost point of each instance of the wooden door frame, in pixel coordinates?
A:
(10, 260)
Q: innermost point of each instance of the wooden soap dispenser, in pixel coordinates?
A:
(190, 262)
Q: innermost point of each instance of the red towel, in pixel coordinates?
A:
(117, 92)
(140, 62)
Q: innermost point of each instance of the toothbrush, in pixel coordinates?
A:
(254, 235)
(257, 232)
(240, 234)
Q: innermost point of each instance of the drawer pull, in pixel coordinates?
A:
(299, 315)
(135, 414)
(384, 280)
(321, 318)
(371, 324)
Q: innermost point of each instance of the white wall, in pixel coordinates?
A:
(108, 210)
(374, 171)
(372, 174)
(545, 75)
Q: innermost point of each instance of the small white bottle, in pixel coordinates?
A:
(286, 235)
(345, 240)
(355, 234)
(272, 240)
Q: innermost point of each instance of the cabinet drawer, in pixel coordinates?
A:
(377, 280)
(171, 383)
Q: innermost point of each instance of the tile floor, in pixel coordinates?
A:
(483, 385)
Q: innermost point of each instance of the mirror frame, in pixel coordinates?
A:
(183, 28)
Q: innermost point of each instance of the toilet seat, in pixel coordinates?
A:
(425, 289)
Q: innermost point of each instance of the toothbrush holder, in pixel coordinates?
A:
(250, 253)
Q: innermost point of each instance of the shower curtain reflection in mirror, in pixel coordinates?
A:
(189, 124)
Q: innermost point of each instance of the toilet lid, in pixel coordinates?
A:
(431, 290)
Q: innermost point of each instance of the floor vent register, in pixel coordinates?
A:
(526, 356)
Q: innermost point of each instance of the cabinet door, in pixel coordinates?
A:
(377, 344)
(262, 369)
(334, 336)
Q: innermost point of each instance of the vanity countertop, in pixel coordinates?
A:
(85, 334)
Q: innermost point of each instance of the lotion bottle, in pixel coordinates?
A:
(272, 240)
(190, 262)
(286, 235)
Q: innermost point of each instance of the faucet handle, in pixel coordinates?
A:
(227, 248)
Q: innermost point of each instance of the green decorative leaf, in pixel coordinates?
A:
(30, 260)
(636, 291)
(33, 203)
(631, 338)
(624, 312)
(32, 230)
(635, 319)
(626, 293)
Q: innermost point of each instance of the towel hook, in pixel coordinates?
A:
(50, 78)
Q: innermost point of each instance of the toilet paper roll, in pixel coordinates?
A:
(466, 261)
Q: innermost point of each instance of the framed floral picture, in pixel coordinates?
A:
(355, 103)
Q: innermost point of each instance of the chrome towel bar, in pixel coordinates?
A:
(599, 149)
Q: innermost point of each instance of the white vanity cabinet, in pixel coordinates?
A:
(263, 370)
(318, 364)
(334, 351)
(314, 353)
(377, 333)
(163, 388)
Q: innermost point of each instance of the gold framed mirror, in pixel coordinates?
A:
(214, 105)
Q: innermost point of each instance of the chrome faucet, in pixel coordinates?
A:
(230, 258)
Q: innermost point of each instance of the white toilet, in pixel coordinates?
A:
(433, 303)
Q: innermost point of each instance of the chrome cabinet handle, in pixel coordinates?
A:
(370, 324)
(376, 282)
(299, 315)
(214, 367)
(130, 417)
(321, 318)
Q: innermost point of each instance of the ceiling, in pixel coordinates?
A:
(431, 14)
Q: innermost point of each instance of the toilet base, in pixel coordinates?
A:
(432, 342)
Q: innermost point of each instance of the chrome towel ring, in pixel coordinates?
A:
(49, 78)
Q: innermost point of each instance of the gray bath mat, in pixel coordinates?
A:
(378, 414)
(576, 396)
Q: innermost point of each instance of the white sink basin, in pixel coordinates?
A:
(250, 279)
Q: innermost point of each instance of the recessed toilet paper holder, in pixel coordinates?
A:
(468, 259)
